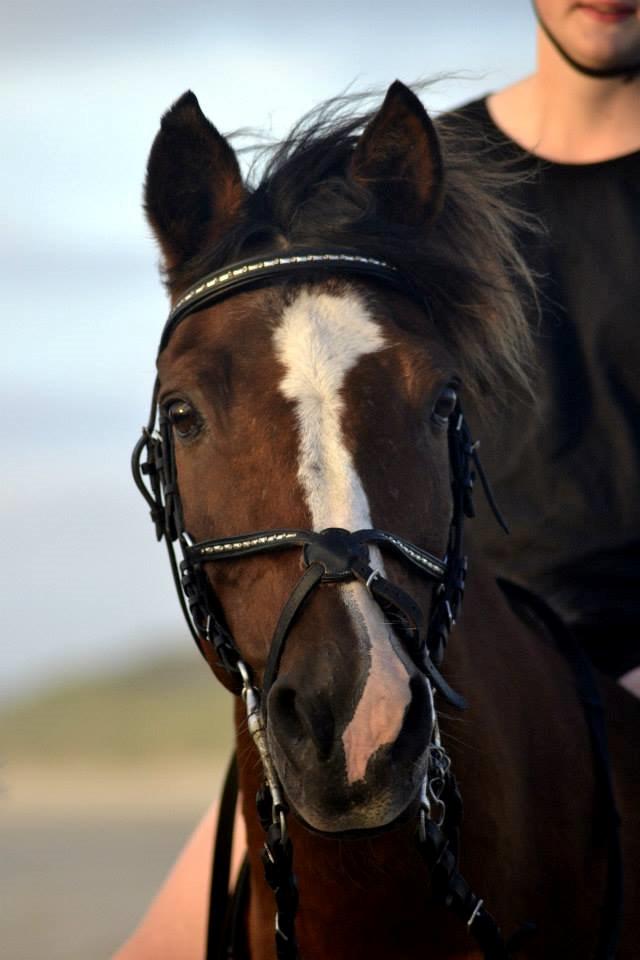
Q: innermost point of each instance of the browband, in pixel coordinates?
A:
(250, 273)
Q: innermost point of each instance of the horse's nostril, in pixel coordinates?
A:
(296, 717)
(417, 725)
(283, 712)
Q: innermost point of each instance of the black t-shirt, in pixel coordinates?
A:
(567, 474)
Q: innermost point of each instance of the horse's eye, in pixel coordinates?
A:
(184, 419)
(445, 405)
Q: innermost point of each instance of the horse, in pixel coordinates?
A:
(308, 455)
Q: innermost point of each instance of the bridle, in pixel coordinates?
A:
(328, 556)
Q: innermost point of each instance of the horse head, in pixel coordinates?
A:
(321, 400)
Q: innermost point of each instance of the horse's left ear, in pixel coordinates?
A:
(398, 159)
(194, 190)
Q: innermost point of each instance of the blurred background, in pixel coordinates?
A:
(112, 732)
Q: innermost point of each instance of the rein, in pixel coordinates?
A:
(329, 556)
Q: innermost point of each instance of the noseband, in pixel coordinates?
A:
(329, 556)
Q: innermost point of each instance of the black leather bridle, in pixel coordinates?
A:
(331, 555)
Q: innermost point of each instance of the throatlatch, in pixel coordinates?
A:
(332, 555)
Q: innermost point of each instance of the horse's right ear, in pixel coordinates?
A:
(397, 159)
(194, 190)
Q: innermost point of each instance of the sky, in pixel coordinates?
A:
(83, 88)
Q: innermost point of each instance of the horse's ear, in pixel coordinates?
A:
(398, 159)
(193, 191)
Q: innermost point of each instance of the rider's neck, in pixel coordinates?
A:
(567, 117)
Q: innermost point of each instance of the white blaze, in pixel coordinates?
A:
(320, 338)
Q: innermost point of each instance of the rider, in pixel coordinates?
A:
(575, 123)
(567, 478)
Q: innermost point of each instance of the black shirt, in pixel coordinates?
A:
(567, 474)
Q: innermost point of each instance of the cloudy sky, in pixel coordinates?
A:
(84, 86)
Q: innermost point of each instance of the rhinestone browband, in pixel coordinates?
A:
(247, 273)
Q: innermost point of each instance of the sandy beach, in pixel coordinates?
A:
(84, 849)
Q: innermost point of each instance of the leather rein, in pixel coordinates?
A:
(329, 556)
